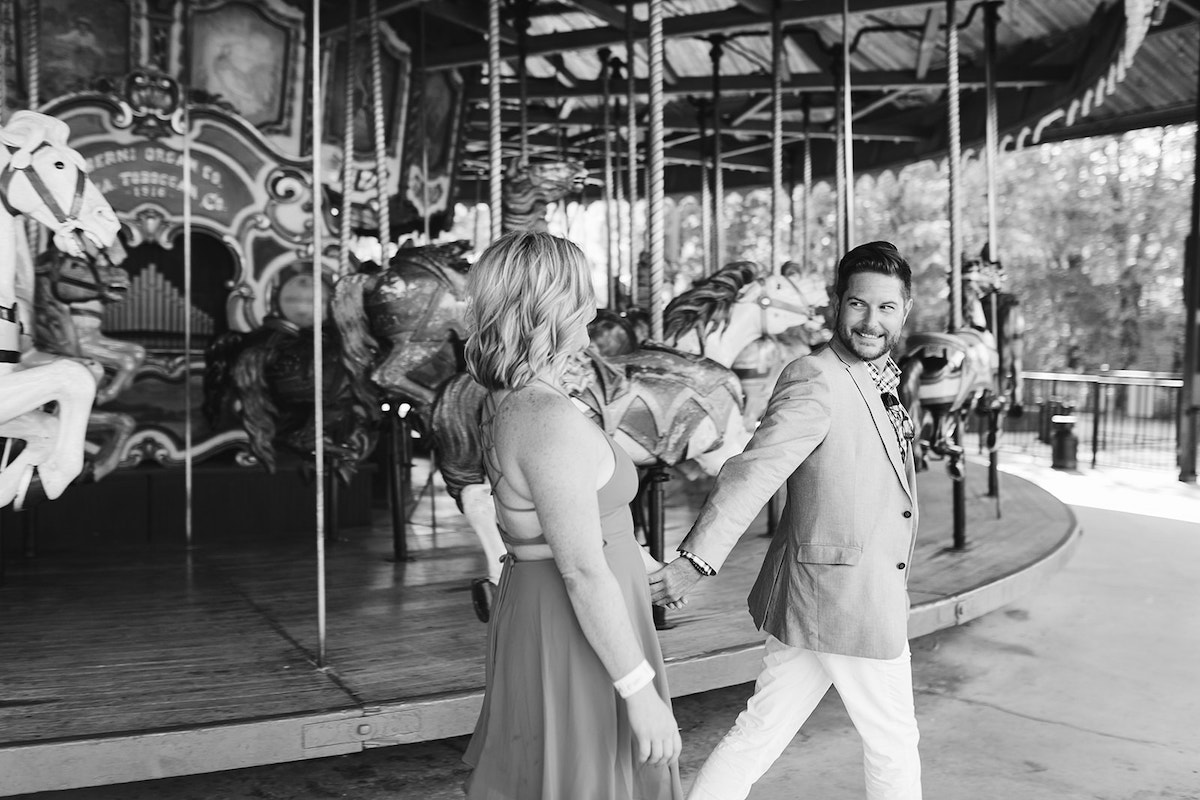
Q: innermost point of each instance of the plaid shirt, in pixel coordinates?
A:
(887, 380)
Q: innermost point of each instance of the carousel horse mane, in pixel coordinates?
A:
(530, 187)
(396, 323)
(707, 305)
(657, 396)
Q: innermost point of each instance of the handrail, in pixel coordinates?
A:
(1113, 378)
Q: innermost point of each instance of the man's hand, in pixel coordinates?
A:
(669, 584)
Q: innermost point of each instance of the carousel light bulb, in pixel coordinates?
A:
(403, 410)
(385, 407)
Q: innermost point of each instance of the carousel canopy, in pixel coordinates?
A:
(1061, 69)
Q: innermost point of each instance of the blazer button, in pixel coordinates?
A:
(907, 514)
(900, 565)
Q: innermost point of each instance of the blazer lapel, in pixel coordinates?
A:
(870, 394)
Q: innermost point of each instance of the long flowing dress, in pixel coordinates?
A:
(552, 726)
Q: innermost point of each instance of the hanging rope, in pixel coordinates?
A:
(381, 167)
(776, 132)
(955, 157)
(655, 197)
(495, 154)
(344, 239)
(318, 296)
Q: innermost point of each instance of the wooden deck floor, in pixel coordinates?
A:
(113, 660)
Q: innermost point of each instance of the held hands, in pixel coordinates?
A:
(654, 728)
(669, 585)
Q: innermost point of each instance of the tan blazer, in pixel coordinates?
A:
(835, 577)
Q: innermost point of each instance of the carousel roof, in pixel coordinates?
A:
(1062, 69)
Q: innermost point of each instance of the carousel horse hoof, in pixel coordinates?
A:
(30, 491)
(483, 592)
(955, 471)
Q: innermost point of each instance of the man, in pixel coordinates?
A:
(832, 592)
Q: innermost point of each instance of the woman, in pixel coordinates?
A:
(576, 705)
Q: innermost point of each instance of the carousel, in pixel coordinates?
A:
(244, 515)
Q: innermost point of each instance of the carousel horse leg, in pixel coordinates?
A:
(399, 464)
(656, 532)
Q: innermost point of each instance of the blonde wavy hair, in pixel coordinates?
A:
(522, 292)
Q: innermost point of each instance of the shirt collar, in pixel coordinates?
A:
(888, 378)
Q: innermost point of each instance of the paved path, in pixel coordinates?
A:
(1087, 689)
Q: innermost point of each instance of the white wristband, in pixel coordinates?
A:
(637, 678)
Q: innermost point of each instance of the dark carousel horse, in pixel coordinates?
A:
(265, 380)
(69, 295)
(945, 376)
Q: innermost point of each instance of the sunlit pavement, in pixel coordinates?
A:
(1088, 687)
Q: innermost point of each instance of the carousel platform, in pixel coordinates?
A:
(134, 665)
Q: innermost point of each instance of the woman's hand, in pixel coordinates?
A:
(654, 728)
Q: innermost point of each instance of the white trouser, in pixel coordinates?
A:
(877, 694)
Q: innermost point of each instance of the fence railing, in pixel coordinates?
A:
(1123, 418)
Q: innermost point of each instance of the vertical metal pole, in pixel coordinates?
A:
(954, 158)
(396, 498)
(776, 133)
(610, 227)
(655, 535)
(631, 141)
(655, 196)
(991, 15)
(188, 460)
(1189, 394)
(381, 165)
(318, 309)
(847, 128)
(495, 158)
(715, 52)
(1097, 410)
(806, 192)
(955, 155)
(705, 193)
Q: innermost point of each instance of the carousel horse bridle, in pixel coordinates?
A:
(65, 220)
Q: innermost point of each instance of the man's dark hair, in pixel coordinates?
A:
(881, 257)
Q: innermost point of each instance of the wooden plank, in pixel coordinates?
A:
(123, 657)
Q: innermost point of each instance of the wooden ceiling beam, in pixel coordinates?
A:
(605, 12)
(928, 43)
(864, 81)
(731, 20)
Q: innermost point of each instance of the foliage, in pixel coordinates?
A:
(1090, 232)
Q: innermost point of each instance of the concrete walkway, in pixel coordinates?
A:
(1088, 688)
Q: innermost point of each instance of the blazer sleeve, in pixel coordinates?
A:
(796, 421)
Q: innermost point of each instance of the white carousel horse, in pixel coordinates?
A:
(40, 176)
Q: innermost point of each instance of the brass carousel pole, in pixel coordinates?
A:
(631, 141)
(776, 133)
(847, 107)
(344, 228)
(705, 189)
(956, 319)
(655, 202)
(806, 192)
(610, 225)
(991, 15)
(495, 157)
(715, 52)
(318, 359)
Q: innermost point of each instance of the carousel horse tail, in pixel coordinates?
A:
(455, 422)
(258, 411)
(358, 346)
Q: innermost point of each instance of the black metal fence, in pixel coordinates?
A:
(1122, 418)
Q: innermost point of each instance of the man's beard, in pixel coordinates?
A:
(864, 350)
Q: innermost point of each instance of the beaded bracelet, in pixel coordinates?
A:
(637, 678)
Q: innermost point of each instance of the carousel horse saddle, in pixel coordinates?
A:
(658, 395)
(954, 364)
